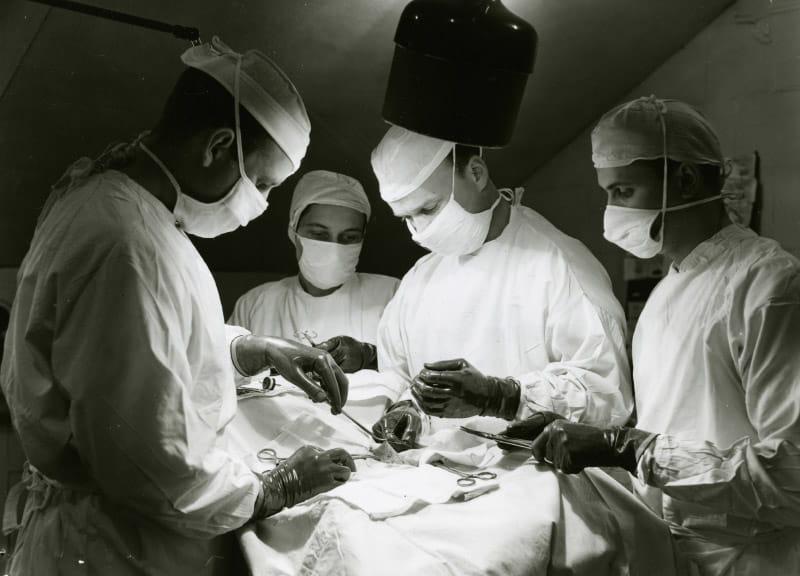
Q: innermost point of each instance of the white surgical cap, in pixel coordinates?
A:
(403, 160)
(329, 188)
(264, 91)
(634, 131)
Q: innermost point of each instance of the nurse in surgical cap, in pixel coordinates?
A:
(118, 367)
(327, 302)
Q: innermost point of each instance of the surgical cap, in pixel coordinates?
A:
(264, 91)
(329, 188)
(634, 131)
(403, 160)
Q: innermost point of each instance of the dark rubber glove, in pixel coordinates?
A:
(399, 426)
(571, 447)
(528, 429)
(456, 389)
(306, 473)
(350, 354)
(293, 360)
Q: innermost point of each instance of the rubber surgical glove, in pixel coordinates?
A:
(306, 473)
(399, 426)
(571, 447)
(350, 354)
(293, 360)
(456, 389)
(530, 428)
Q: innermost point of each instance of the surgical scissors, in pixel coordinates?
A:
(467, 479)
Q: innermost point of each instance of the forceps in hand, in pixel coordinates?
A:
(466, 478)
(268, 455)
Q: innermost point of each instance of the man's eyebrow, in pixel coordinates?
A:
(426, 206)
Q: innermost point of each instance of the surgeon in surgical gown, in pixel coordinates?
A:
(716, 352)
(328, 302)
(505, 317)
(118, 365)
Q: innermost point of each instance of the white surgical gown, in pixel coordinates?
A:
(117, 371)
(283, 309)
(716, 358)
(533, 304)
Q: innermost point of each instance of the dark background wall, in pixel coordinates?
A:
(70, 84)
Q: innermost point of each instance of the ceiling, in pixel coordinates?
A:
(69, 84)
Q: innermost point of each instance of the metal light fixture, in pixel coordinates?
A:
(459, 70)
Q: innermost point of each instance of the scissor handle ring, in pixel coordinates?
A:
(466, 481)
(486, 475)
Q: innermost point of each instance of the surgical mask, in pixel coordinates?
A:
(629, 228)
(454, 231)
(238, 207)
(327, 264)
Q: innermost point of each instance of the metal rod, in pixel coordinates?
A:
(184, 32)
(357, 423)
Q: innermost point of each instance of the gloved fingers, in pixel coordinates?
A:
(432, 406)
(379, 429)
(431, 392)
(327, 369)
(541, 446)
(300, 379)
(343, 382)
(341, 474)
(409, 435)
(531, 427)
(440, 379)
(447, 365)
(329, 344)
(341, 457)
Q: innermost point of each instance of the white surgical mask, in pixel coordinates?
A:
(237, 208)
(454, 231)
(629, 228)
(327, 264)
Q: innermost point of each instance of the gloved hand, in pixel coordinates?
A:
(306, 473)
(571, 447)
(399, 426)
(530, 428)
(456, 389)
(350, 354)
(292, 360)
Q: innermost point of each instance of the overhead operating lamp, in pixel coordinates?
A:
(459, 70)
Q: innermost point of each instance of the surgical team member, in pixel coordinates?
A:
(328, 301)
(716, 352)
(117, 367)
(506, 316)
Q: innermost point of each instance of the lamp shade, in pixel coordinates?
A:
(459, 70)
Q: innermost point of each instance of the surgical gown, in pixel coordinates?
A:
(284, 309)
(533, 304)
(117, 371)
(716, 357)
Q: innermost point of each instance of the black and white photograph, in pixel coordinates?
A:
(400, 287)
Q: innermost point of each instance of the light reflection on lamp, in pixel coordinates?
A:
(459, 70)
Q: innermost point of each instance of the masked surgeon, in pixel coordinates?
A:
(716, 352)
(506, 316)
(328, 302)
(118, 367)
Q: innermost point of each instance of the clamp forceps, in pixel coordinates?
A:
(467, 479)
